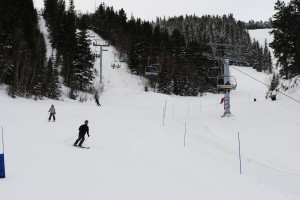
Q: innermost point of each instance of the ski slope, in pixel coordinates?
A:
(136, 155)
(264, 36)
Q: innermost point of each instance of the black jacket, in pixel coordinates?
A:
(84, 129)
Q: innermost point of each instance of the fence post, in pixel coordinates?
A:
(173, 111)
(200, 106)
(164, 113)
(184, 134)
(240, 153)
(2, 166)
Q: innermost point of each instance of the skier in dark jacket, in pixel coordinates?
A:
(83, 129)
(96, 97)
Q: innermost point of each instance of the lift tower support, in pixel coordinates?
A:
(233, 54)
(106, 44)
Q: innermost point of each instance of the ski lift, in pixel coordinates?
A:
(213, 72)
(151, 70)
(96, 55)
(229, 85)
(115, 65)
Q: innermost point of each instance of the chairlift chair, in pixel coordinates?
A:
(96, 55)
(115, 65)
(151, 70)
(231, 84)
(214, 72)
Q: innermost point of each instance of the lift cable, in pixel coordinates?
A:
(265, 84)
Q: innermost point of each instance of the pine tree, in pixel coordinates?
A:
(39, 81)
(55, 16)
(165, 78)
(286, 43)
(267, 60)
(84, 60)
(52, 84)
(68, 50)
(274, 82)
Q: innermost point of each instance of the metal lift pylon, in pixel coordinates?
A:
(228, 86)
(106, 44)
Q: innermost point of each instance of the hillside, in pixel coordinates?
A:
(135, 156)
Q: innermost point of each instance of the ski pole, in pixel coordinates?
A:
(70, 138)
(2, 139)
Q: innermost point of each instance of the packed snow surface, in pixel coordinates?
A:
(138, 154)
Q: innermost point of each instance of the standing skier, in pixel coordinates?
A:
(96, 97)
(83, 129)
(52, 113)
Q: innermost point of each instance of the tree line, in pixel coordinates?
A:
(251, 24)
(22, 49)
(177, 45)
(68, 36)
(24, 66)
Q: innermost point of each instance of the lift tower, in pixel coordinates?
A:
(226, 53)
(100, 44)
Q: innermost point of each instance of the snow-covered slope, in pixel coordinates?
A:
(135, 156)
(262, 36)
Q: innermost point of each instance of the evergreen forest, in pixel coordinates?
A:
(179, 47)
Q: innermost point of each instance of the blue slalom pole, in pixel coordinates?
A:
(2, 166)
(240, 152)
(184, 134)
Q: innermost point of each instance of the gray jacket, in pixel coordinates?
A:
(52, 110)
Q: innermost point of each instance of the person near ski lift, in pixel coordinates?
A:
(223, 101)
(83, 129)
(96, 97)
(52, 113)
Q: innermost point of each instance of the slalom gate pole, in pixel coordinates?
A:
(184, 134)
(163, 117)
(2, 140)
(2, 166)
(240, 153)
(164, 113)
(173, 111)
(200, 106)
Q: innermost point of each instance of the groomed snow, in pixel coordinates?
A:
(133, 156)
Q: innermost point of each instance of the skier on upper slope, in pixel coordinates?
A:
(96, 97)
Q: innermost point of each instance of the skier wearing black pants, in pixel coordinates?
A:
(96, 97)
(83, 129)
(52, 113)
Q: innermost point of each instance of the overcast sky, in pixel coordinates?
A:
(244, 10)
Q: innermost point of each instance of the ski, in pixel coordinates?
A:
(82, 147)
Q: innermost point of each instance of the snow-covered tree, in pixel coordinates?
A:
(286, 43)
(84, 61)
